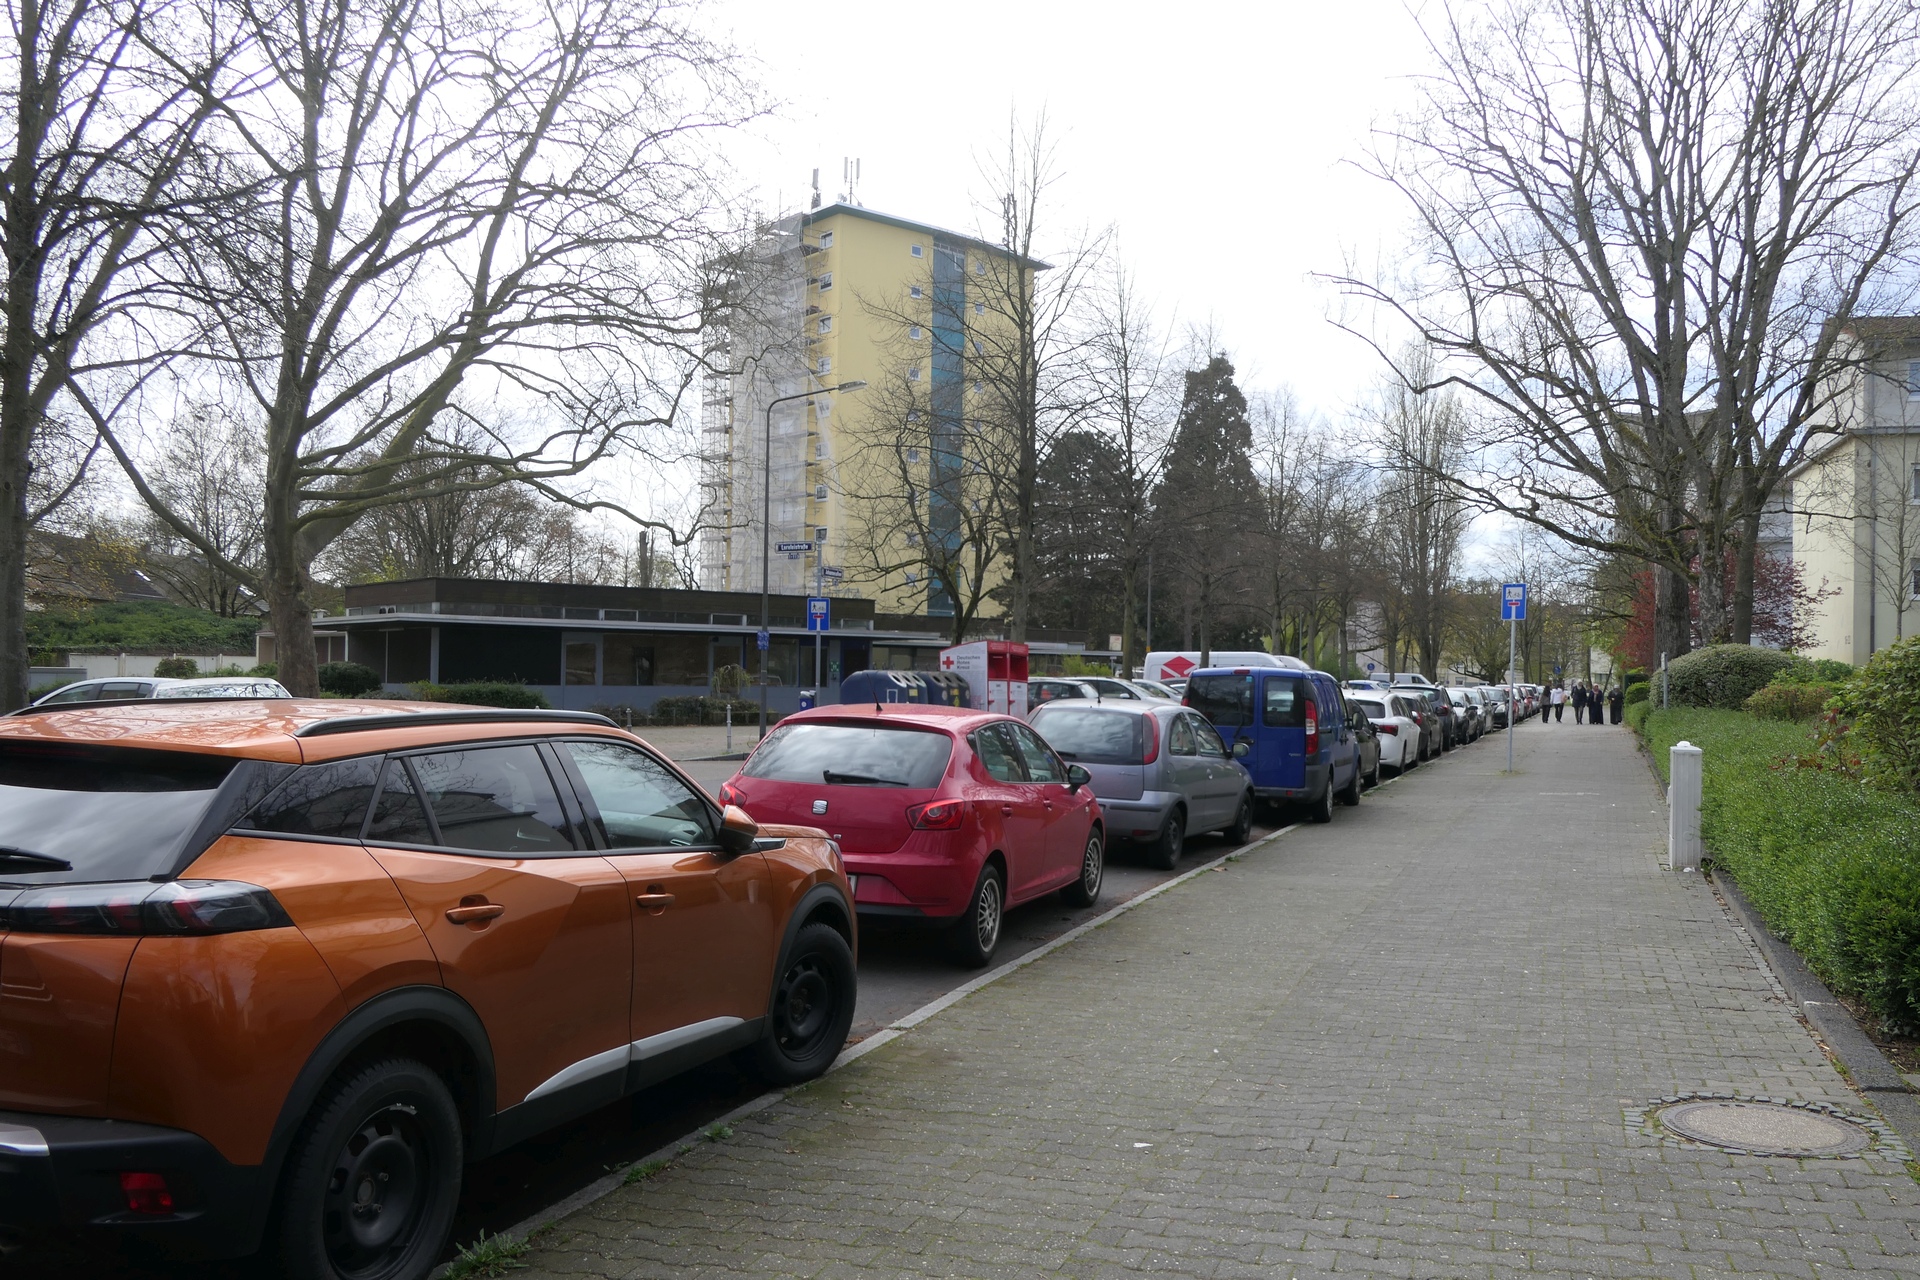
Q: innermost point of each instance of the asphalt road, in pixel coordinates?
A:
(900, 970)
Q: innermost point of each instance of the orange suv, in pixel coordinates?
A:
(271, 972)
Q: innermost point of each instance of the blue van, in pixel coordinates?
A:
(1290, 728)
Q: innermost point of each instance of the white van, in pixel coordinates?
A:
(1175, 665)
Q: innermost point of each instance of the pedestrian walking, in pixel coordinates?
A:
(1579, 703)
(1616, 703)
(1559, 703)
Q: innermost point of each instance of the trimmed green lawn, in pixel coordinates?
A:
(1833, 865)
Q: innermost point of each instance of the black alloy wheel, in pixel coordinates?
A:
(811, 1009)
(1373, 775)
(1085, 891)
(1350, 794)
(373, 1180)
(1164, 854)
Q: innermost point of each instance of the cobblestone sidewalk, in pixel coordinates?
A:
(1416, 1043)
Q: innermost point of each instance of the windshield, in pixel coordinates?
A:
(73, 813)
(1224, 699)
(1371, 710)
(1093, 737)
(854, 755)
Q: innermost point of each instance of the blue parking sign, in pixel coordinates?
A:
(1513, 602)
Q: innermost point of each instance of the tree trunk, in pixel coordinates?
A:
(1672, 613)
(14, 658)
(1746, 552)
(1130, 655)
(286, 582)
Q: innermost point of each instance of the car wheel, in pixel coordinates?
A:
(1350, 794)
(976, 934)
(1373, 777)
(1165, 855)
(812, 1008)
(1322, 810)
(1085, 891)
(1242, 829)
(373, 1179)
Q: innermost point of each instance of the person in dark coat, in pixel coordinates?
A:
(1579, 702)
(1616, 703)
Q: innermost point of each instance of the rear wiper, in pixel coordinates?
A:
(26, 860)
(829, 776)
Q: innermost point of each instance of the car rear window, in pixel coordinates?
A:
(1093, 737)
(1370, 709)
(857, 755)
(1224, 699)
(1283, 705)
(106, 813)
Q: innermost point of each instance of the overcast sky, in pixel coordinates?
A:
(1212, 136)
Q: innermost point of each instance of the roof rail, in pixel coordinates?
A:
(43, 708)
(411, 719)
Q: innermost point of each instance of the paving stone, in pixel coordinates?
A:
(1410, 1044)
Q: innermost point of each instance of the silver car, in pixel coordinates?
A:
(117, 688)
(1160, 771)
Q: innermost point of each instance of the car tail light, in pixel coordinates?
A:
(1313, 733)
(139, 907)
(938, 815)
(146, 1193)
(730, 794)
(1393, 729)
(1151, 728)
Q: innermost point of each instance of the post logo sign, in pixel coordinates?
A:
(1513, 602)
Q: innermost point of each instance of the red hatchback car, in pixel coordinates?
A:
(942, 814)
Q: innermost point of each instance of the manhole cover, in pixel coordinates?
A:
(1765, 1128)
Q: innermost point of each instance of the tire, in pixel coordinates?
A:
(1321, 810)
(1085, 891)
(370, 1187)
(811, 1008)
(1350, 794)
(976, 934)
(1242, 829)
(1373, 778)
(1172, 842)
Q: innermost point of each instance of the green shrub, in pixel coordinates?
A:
(1814, 671)
(267, 669)
(148, 626)
(348, 679)
(1789, 701)
(700, 709)
(1882, 708)
(34, 695)
(1832, 864)
(176, 669)
(483, 693)
(1636, 693)
(1636, 716)
(1722, 675)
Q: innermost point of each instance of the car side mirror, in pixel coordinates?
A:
(1077, 777)
(737, 831)
(1242, 749)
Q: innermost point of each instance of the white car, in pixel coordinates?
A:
(119, 688)
(1399, 731)
(1154, 689)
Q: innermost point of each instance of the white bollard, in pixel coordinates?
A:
(1683, 807)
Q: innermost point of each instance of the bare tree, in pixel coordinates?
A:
(1423, 515)
(102, 136)
(1640, 222)
(209, 473)
(495, 214)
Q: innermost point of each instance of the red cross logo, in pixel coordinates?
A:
(1178, 667)
(947, 663)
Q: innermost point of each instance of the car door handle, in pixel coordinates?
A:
(654, 901)
(475, 912)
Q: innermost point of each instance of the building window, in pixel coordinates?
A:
(826, 324)
(913, 373)
(979, 267)
(979, 308)
(826, 239)
(914, 332)
(826, 364)
(915, 291)
(913, 415)
(919, 251)
(1913, 379)
(979, 348)
(826, 281)
(1913, 493)
(913, 455)
(1914, 586)
(820, 493)
(978, 387)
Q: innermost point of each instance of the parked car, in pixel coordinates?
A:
(945, 816)
(1366, 745)
(1499, 708)
(1397, 727)
(1108, 687)
(293, 963)
(1289, 727)
(1041, 692)
(1175, 666)
(1436, 717)
(123, 688)
(1413, 677)
(1466, 709)
(1161, 772)
(1155, 689)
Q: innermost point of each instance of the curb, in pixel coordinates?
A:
(607, 1185)
(1867, 1069)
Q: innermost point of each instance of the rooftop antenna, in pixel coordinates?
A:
(816, 190)
(850, 172)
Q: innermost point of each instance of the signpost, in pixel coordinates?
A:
(793, 546)
(1513, 611)
(819, 615)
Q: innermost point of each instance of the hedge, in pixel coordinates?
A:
(1830, 862)
(1782, 701)
(1723, 675)
(699, 709)
(1636, 716)
(148, 626)
(347, 679)
(1881, 709)
(483, 693)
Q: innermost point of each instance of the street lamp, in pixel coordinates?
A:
(766, 522)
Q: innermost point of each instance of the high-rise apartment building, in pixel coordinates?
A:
(887, 483)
